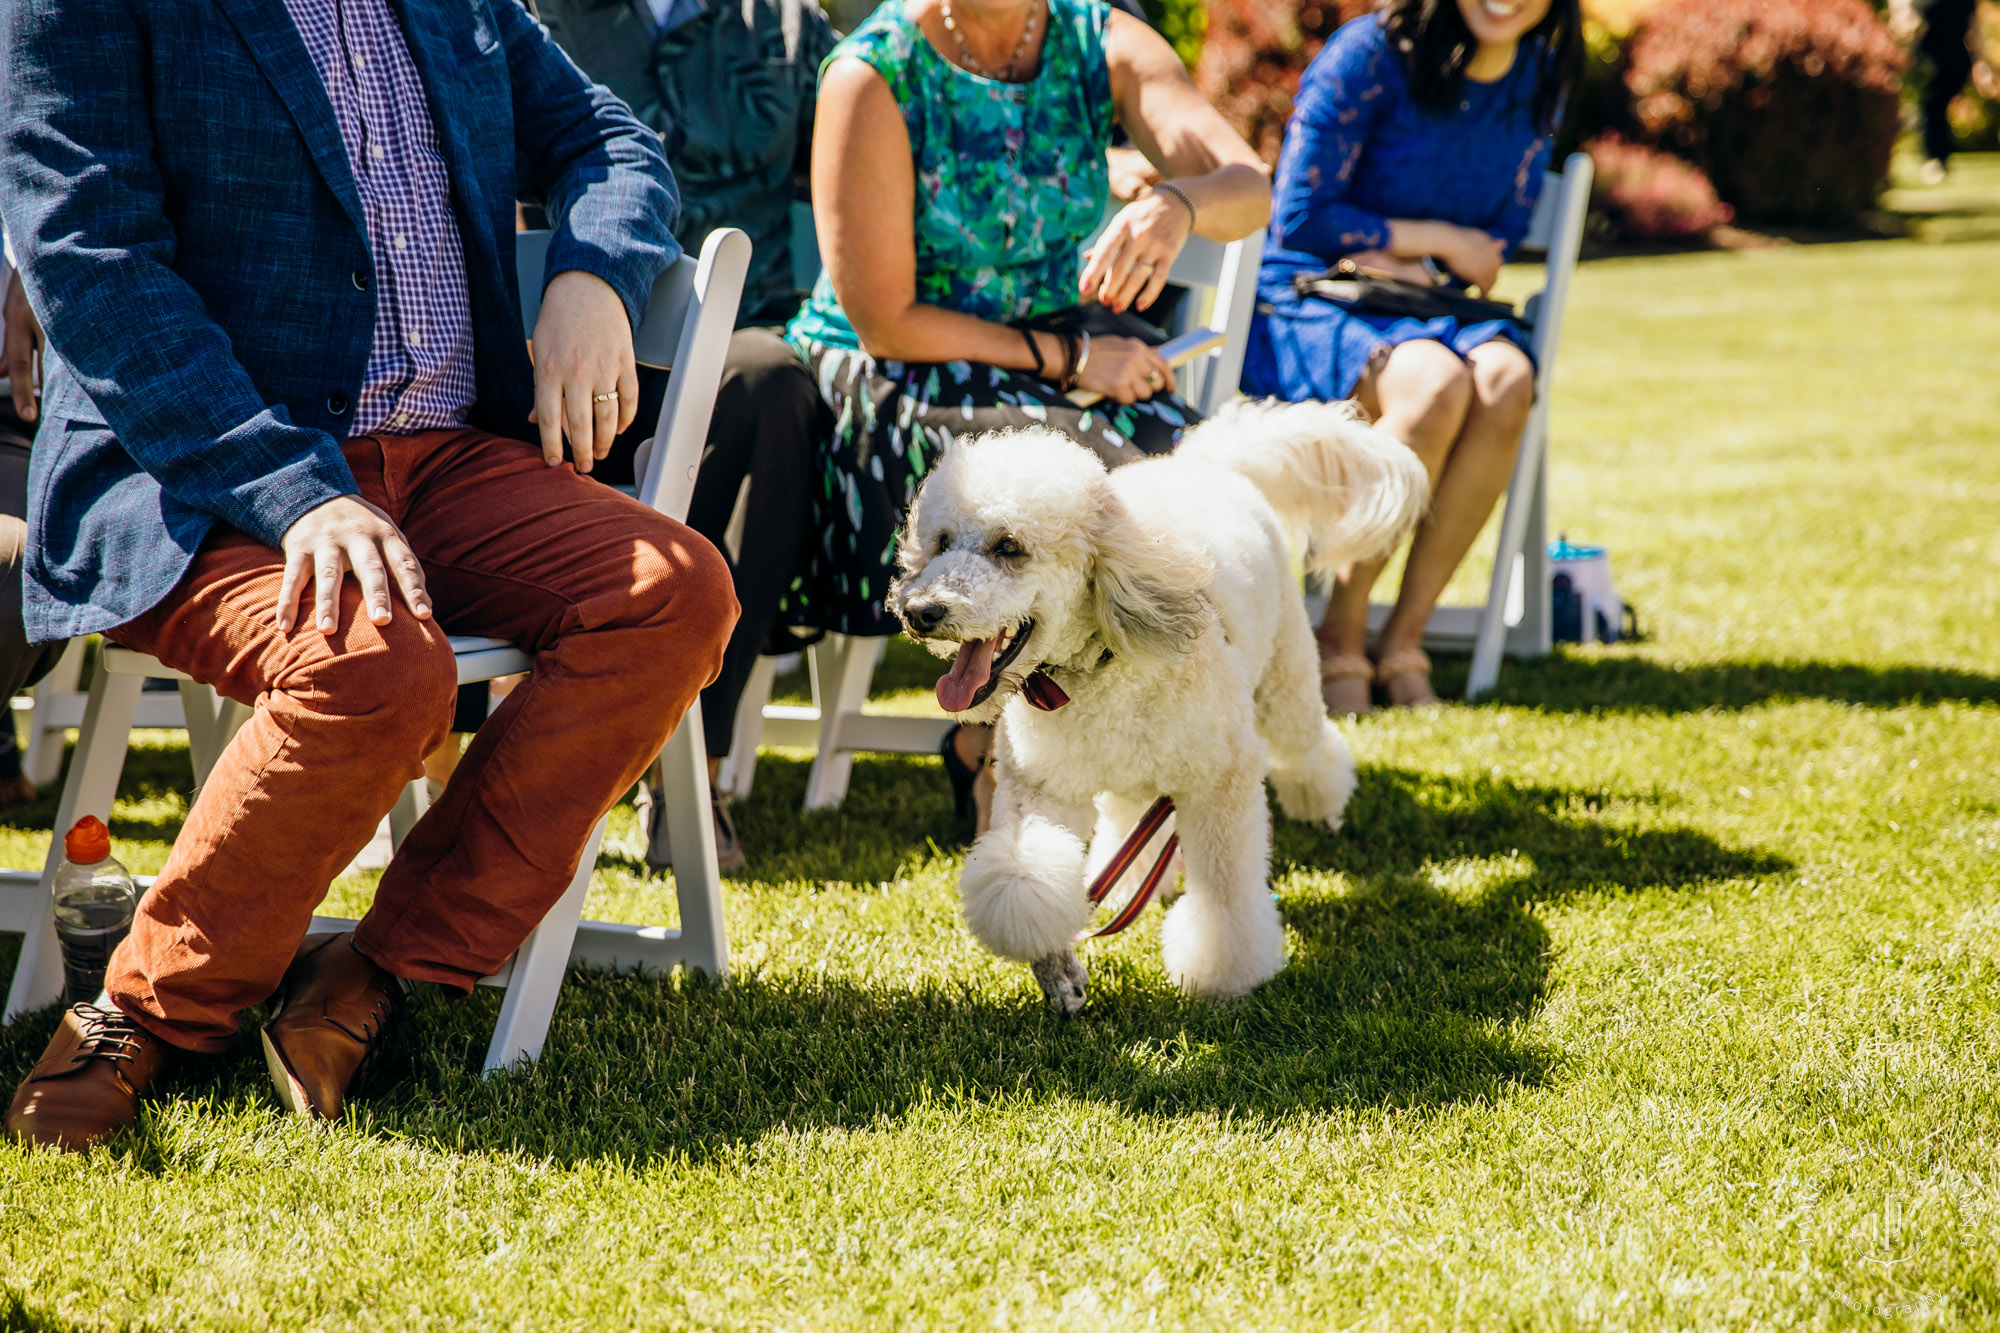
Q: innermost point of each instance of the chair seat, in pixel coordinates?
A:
(478, 659)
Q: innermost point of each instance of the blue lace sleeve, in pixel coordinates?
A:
(1510, 224)
(1342, 97)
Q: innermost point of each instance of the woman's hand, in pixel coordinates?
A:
(1474, 256)
(1125, 370)
(1131, 260)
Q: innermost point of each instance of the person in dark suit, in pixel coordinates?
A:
(284, 346)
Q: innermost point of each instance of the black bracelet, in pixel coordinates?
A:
(1035, 351)
(1180, 194)
(1068, 380)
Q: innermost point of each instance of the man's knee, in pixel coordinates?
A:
(400, 677)
(684, 594)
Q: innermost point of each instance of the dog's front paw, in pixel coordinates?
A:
(1064, 981)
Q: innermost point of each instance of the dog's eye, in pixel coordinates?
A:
(1007, 548)
(943, 542)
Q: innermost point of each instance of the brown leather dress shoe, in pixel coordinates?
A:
(337, 1011)
(88, 1083)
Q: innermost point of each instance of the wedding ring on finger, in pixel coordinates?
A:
(611, 397)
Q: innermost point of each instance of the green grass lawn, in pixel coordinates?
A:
(1661, 991)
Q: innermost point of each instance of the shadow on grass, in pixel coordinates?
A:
(1562, 683)
(1401, 993)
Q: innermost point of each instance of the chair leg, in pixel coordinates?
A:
(684, 804)
(1514, 523)
(1534, 636)
(740, 768)
(43, 761)
(409, 808)
(844, 684)
(537, 976)
(212, 722)
(92, 783)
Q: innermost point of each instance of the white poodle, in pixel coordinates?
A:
(1160, 603)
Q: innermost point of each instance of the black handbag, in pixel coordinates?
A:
(1348, 284)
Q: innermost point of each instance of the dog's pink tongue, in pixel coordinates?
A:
(969, 671)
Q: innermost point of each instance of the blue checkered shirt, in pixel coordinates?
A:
(420, 367)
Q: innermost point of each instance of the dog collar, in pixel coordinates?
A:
(1040, 688)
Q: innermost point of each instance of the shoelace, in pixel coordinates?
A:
(381, 1024)
(107, 1034)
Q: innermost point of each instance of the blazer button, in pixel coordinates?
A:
(360, 280)
(336, 403)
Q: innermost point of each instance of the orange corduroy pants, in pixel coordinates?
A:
(626, 612)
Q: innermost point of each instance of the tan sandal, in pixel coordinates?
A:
(1401, 665)
(1342, 669)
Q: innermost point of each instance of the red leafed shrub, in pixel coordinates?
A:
(1644, 194)
(1789, 106)
(1253, 54)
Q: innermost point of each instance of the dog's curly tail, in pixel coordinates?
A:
(1351, 490)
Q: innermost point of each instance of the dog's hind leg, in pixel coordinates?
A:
(1224, 937)
(1311, 768)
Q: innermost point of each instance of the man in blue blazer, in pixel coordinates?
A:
(270, 245)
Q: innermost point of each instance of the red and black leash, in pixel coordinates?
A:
(1042, 692)
(1127, 854)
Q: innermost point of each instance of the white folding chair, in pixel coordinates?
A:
(1515, 616)
(1221, 292)
(59, 700)
(686, 328)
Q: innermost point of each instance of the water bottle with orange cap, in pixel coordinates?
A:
(95, 899)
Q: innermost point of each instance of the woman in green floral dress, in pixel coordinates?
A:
(958, 167)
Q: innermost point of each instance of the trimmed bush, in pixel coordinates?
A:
(1253, 55)
(1182, 22)
(1642, 194)
(1789, 106)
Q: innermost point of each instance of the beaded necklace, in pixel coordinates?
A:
(1007, 72)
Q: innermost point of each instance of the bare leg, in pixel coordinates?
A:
(972, 743)
(1420, 394)
(1479, 465)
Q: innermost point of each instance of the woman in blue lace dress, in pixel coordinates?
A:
(1417, 145)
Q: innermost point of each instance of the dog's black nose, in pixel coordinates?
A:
(924, 617)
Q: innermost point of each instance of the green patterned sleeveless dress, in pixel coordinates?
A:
(1011, 180)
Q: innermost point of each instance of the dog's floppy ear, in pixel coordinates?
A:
(1145, 585)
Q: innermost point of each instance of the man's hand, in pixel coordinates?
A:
(344, 534)
(586, 383)
(22, 344)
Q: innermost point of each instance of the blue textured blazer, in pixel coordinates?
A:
(188, 229)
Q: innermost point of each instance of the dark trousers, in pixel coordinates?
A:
(759, 460)
(1943, 46)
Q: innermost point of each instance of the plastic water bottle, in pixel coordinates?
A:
(95, 900)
